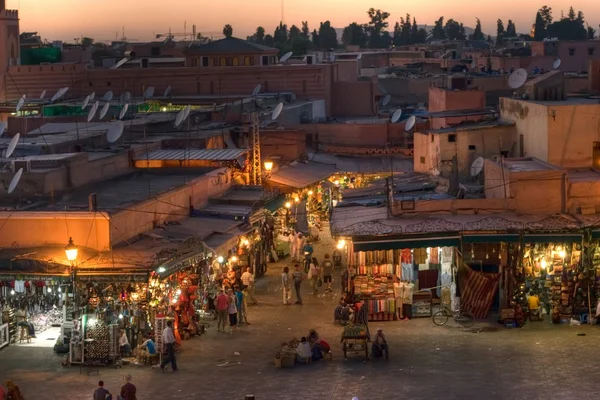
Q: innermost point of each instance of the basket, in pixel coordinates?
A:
(288, 359)
(277, 361)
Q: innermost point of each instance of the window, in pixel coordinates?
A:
(12, 50)
(451, 138)
(223, 62)
(571, 51)
(422, 160)
(472, 147)
(247, 61)
(265, 60)
(431, 138)
(591, 51)
(204, 61)
(236, 61)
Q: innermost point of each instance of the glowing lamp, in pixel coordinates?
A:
(543, 263)
(310, 192)
(246, 242)
(161, 270)
(220, 259)
(297, 199)
(268, 166)
(71, 250)
(562, 254)
(341, 244)
(178, 292)
(120, 316)
(49, 290)
(12, 292)
(288, 205)
(233, 259)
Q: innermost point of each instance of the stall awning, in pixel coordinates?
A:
(192, 154)
(553, 237)
(492, 238)
(596, 234)
(275, 204)
(406, 243)
(301, 175)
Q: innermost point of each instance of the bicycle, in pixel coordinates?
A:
(464, 318)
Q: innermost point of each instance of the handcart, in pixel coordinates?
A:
(355, 340)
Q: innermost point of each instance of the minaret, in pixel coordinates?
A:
(10, 53)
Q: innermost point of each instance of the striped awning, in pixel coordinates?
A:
(192, 154)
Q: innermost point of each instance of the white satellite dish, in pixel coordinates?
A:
(277, 111)
(86, 101)
(286, 57)
(108, 96)
(186, 111)
(43, 95)
(556, 63)
(386, 100)
(477, 166)
(115, 131)
(396, 116)
(410, 123)
(256, 90)
(517, 78)
(92, 112)
(15, 181)
(149, 92)
(2, 127)
(104, 110)
(126, 97)
(473, 65)
(20, 104)
(167, 91)
(92, 96)
(359, 56)
(179, 117)
(124, 111)
(59, 94)
(12, 145)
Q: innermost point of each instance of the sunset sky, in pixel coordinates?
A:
(101, 19)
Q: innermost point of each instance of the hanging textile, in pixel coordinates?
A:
(406, 256)
(428, 278)
(478, 291)
(447, 254)
(434, 255)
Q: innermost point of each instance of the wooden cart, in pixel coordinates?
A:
(356, 343)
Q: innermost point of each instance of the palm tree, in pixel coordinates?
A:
(228, 31)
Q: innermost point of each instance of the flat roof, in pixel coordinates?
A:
(193, 154)
(120, 192)
(527, 164)
(472, 126)
(583, 175)
(592, 100)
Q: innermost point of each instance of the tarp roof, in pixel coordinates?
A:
(301, 175)
(193, 154)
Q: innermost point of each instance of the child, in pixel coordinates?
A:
(303, 352)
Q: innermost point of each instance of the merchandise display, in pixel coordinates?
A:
(377, 290)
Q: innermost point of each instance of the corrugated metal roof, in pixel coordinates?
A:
(300, 175)
(193, 154)
(365, 165)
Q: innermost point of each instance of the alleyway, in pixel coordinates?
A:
(540, 361)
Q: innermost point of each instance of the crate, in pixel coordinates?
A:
(288, 359)
(507, 313)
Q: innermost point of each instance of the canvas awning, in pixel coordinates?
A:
(491, 238)
(553, 237)
(301, 175)
(406, 243)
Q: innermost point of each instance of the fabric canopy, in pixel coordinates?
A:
(491, 238)
(406, 243)
(553, 237)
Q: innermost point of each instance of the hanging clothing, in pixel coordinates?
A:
(447, 253)
(406, 256)
(20, 286)
(434, 255)
(408, 272)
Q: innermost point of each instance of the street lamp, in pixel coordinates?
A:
(71, 251)
(268, 166)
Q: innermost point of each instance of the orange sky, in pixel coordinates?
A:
(101, 19)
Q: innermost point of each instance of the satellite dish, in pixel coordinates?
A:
(15, 181)
(359, 56)
(92, 112)
(277, 111)
(556, 63)
(149, 92)
(179, 118)
(396, 116)
(12, 145)
(477, 166)
(126, 97)
(256, 90)
(186, 111)
(386, 100)
(59, 94)
(115, 131)
(86, 101)
(473, 65)
(517, 78)
(104, 110)
(167, 91)
(20, 103)
(92, 96)
(2, 127)
(108, 96)
(410, 123)
(43, 95)
(124, 111)
(286, 57)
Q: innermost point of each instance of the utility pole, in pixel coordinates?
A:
(256, 164)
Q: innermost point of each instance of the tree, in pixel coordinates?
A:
(539, 32)
(315, 39)
(405, 30)
(305, 30)
(568, 29)
(327, 36)
(489, 39)
(546, 14)
(199, 36)
(280, 35)
(511, 29)
(258, 37)
(87, 42)
(438, 32)
(228, 31)
(377, 23)
(294, 33)
(354, 35)
(452, 30)
(477, 33)
(414, 32)
(397, 39)
(591, 33)
(269, 41)
(571, 14)
(499, 31)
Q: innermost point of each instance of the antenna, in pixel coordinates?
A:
(277, 111)
(410, 123)
(15, 181)
(556, 63)
(104, 110)
(114, 132)
(123, 111)
(167, 92)
(86, 101)
(149, 92)
(256, 90)
(92, 112)
(517, 78)
(12, 145)
(477, 166)
(386, 100)
(20, 103)
(286, 57)
(108, 96)
(396, 116)
(43, 94)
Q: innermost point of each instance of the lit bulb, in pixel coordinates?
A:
(246, 242)
(487, 256)
(233, 259)
(336, 182)
(12, 292)
(161, 270)
(296, 199)
(178, 292)
(49, 290)
(120, 316)
(543, 263)
(288, 205)
(340, 244)
(59, 290)
(220, 259)
(562, 254)
(310, 192)
(174, 301)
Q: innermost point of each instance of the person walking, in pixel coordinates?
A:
(233, 311)
(248, 282)
(128, 390)
(307, 250)
(314, 274)
(99, 394)
(222, 305)
(285, 286)
(240, 299)
(327, 269)
(298, 277)
(168, 339)
(244, 306)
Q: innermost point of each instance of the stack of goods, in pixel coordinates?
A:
(42, 322)
(381, 286)
(288, 353)
(354, 331)
(97, 342)
(384, 269)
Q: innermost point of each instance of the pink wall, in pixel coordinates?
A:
(441, 99)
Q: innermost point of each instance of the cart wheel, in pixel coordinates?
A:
(344, 348)
(440, 318)
(466, 319)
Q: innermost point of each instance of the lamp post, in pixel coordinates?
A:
(71, 253)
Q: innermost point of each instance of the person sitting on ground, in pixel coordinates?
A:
(314, 341)
(380, 345)
(13, 392)
(535, 310)
(343, 312)
(124, 344)
(148, 348)
(303, 351)
(101, 393)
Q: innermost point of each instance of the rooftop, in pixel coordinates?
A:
(527, 165)
(231, 45)
(584, 175)
(472, 126)
(591, 100)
